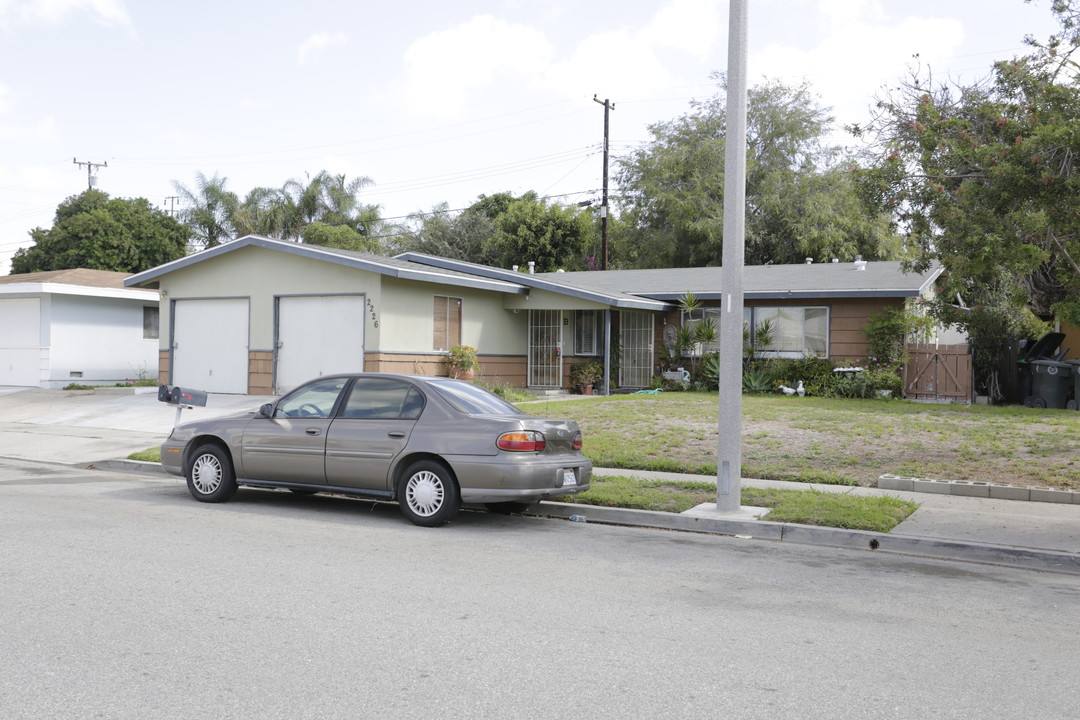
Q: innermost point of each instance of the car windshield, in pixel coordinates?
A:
(472, 400)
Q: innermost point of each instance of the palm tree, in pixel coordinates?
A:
(264, 211)
(330, 200)
(209, 210)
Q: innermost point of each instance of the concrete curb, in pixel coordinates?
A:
(977, 489)
(140, 467)
(1025, 558)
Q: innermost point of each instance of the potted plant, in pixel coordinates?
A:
(462, 362)
(585, 374)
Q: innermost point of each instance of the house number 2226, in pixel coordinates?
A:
(371, 310)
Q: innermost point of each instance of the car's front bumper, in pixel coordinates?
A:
(172, 458)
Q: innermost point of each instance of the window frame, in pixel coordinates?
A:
(151, 323)
(597, 332)
(449, 323)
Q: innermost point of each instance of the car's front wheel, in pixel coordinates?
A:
(428, 494)
(210, 476)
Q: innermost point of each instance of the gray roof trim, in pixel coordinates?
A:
(360, 261)
(625, 301)
(782, 295)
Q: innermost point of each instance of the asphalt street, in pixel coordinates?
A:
(124, 598)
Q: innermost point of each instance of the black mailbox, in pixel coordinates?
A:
(176, 395)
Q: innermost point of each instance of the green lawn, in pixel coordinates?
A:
(831, 441)
(807, 507)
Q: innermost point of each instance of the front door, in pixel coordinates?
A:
(545, 348)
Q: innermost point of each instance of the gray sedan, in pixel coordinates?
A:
(429, 443)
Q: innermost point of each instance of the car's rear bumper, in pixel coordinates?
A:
(529, 480)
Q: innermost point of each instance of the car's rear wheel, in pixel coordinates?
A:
(210, 476)
(428, 494)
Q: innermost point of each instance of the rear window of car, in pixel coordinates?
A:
(472, 400)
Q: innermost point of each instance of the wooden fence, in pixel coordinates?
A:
(938, 372)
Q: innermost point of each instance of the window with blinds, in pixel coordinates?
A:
(587, 332)
(447, 323)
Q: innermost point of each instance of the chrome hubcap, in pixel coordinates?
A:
(424, 493)
(206, 474)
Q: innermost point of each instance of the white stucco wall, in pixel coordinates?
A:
(101, 338)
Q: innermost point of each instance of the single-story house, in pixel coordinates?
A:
(258, 315)
(76, 326)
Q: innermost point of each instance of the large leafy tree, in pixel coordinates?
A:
(801, 201)
(533, 230)
(458, 235)
(984, 180)
(95, 231)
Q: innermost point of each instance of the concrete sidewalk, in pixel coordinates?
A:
(101, 429)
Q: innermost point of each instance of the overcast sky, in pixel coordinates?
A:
(434, 101)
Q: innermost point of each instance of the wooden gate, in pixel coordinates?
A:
(941, 373)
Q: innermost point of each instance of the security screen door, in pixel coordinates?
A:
(636, 338)
(545, 348)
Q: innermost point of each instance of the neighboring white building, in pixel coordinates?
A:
(76, 326)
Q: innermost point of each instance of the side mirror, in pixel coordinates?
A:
(266, 410)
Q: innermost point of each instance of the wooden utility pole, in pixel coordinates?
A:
(608, 107)
(90, 179)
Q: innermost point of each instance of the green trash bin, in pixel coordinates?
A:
(1051, 383)
(1074, 402)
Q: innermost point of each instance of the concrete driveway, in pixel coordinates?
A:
(84, 426)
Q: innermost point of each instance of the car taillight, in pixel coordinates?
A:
(577, 442)
(526, 441)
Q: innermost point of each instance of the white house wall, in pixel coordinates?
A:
(546, 300)
(486, 324)
(96, 340)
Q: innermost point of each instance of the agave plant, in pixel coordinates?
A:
(756, 381)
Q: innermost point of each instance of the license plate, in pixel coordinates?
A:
(568, 477)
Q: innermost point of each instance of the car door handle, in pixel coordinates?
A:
(396, 434)
(313, 431)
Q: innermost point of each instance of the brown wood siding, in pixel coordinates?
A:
(260, 372)
(847, 318)
(163, 367)
(494, 369)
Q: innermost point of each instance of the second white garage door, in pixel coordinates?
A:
(318, 335)
(210, 345)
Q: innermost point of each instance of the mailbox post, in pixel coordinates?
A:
(181, 398)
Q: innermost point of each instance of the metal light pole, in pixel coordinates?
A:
(729, 445)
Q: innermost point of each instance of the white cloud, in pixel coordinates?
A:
(692, 26)
(441, 68)
(42, 131)
(318, 41)
(112, 13)
(860, 48)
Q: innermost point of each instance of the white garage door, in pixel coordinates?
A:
(317, 336)
(210, 345)
(20, 341)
